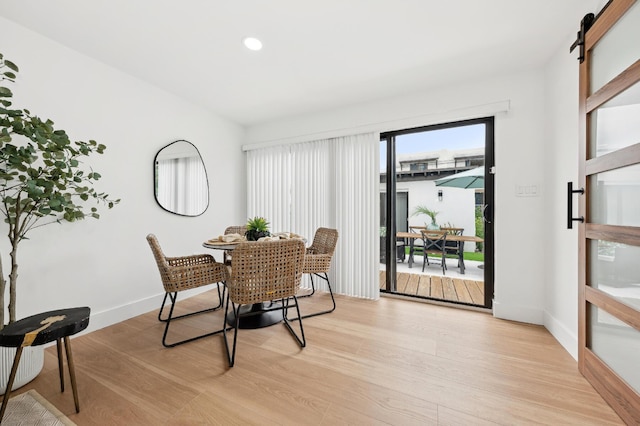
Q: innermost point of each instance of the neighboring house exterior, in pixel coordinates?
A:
(415, 175)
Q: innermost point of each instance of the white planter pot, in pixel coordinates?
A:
(31, 363)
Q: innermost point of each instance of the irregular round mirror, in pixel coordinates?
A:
(181, 184)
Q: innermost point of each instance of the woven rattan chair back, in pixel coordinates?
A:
(265, 271)
(236, 229)
(319, 254)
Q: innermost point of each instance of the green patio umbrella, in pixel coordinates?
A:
(473, 178)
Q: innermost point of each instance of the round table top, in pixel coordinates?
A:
(45, 327)
(222, 245)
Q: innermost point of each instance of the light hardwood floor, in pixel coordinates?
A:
(370, 362)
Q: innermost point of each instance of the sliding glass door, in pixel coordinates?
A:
(441, 181)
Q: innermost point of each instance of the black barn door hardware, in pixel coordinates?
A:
(570, 192)
(585, 24)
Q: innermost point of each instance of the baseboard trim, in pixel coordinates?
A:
(567, 338)
(518, 313)
(121, 313)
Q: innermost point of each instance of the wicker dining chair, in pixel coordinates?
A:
(235, 229)
(184, 273)
(317, 261)
(264, 272)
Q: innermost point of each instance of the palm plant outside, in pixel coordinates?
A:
(421, 209)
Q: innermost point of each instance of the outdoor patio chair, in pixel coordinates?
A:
(416, 245)
(264, 272)
(453, 231)
(184, 273)
(434, 243)
(454, 247)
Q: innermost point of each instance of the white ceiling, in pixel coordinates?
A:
(318, 55)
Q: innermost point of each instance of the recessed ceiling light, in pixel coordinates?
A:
(252, 43)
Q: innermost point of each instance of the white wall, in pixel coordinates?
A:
(561, 166)
(106, 264)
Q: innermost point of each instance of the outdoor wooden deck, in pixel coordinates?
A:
(441, 288)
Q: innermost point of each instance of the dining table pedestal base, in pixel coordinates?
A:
(261, 315)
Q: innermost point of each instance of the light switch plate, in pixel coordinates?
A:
(527, 190)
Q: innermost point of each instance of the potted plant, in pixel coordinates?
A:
(427, 211)
(257, 228)
(42, 180)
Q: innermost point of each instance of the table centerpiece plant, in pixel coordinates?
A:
(427, 211)
(257, 228)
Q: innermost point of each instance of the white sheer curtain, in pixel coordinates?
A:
(166, 187)
(269, 186)
(329, 183)
(182, 185)
(196, 186)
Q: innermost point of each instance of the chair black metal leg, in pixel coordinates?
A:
(220, 296)
(313, 289)
(285, 308)
(12, 376)
(164, 301)
(231, 355)
(174, 298)
(170, 318)
(333, 301)
(285, 305)
(224, 331)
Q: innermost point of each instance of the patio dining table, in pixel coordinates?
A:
(460, 239)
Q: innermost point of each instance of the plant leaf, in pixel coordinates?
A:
(11, 65)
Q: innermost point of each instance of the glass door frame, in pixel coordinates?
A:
(488, 210)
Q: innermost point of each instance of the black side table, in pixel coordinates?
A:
(40, 329)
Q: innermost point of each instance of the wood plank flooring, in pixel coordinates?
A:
(385, 362)
(438, 287)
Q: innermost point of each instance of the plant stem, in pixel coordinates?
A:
(13, 279)
(14, 236)
(3, 286)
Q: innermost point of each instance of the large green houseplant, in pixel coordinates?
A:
(42, 178)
